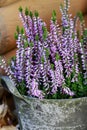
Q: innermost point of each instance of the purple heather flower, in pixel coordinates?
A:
(53, 85)
(8, 70)
(34, 91)
(45, 61)
(41, 24)
(27, 67)
(59, 73)
(67, 91)
(19, 71)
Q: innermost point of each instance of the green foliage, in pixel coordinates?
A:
(30, 14)
(16, 36)
(17, 29)
(22, 88)
(45, 32)
(13, 58)
(85, 33)
(73, 36)
(36, 14)
(68, 81)
(31, 44)
(26, 44)
(58, 95)
(26, 11)
(81, 40)
(57, 57)
(75, 56)
(52, 66)
(20, 9)
(9, 61)
(78, 88)
(54, 16)
(22, 30)
(54, 96)
(36, 37)
(47, 52)
(42, 60)
(80, 15)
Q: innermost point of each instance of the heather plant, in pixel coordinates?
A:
(50, 64)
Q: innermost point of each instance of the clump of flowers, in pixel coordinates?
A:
(50, 64)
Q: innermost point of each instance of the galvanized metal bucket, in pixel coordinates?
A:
(35, 114)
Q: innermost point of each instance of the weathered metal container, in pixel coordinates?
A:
(35, 114)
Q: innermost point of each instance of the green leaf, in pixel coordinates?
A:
(85, 33)
(42, 60)
(70, 97)
(47, 52)
(54, 16)
(22, 30)
(81, 40)
(54, 96)
(9, 61)
(36, 14)
(57, 57)
(16, 36)
(20, 9)
(80, 15)
(68, 81)
(30, 14)
(36, 37)
(52, 66)
(80, 79)
(73, 36)
(13, 58)
(44, 36)
(45, 32)
(74, 87)
(17, 29)
(26, 44)
(26, 11)
(31, 44)
(54, 13)
(75, 56)
(22, 88)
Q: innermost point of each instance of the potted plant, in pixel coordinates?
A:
(48, 75)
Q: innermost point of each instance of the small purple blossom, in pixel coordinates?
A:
(49, 63)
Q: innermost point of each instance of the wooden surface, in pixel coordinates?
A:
(6, 2)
